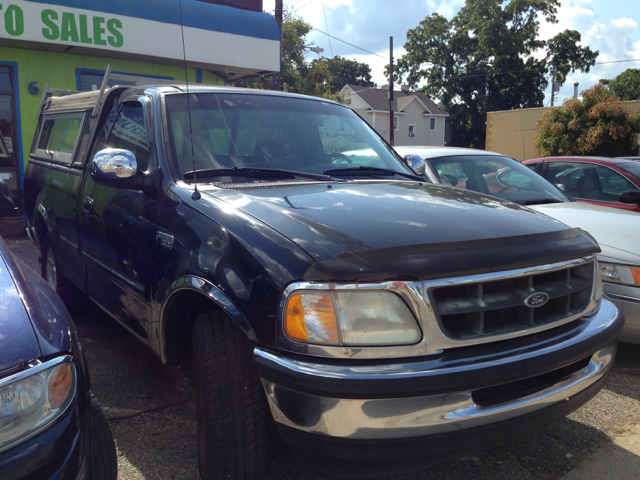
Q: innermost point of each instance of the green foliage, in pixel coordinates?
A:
(625, 86)
(595, 125)
(345, 71)
(489, 58)
(323, 77)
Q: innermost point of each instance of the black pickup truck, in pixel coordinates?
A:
(313, 279)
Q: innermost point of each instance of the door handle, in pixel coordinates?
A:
(87, 205)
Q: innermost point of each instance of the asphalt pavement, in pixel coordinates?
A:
(151, 412)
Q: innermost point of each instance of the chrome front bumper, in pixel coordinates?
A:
(302, 404)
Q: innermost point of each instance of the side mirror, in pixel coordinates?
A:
(113, 165)
(415, 162)
(561, 186)
(630, 196)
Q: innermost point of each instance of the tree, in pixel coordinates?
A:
(596, 125)
(323, 77)
(625, 86)
(487, 58)
(294, 65)
(345, 71)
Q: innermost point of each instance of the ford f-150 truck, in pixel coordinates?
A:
(381, 322)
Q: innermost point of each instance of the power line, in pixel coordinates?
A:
(532, 70)
(347, 43)
(300, 8)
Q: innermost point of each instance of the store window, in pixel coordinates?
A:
(92, 80)
(8, 136)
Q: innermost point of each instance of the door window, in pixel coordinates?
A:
(129, 133)
(612, 183)
(589, 181)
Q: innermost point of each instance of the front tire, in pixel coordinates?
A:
(231, 406)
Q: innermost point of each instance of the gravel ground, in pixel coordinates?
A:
(151, 412)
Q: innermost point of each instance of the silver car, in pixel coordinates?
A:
(617, 231)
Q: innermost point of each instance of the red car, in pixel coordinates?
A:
(614, 182)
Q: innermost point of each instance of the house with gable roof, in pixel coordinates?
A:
(417, 119)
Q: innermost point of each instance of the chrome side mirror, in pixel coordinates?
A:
(561, 186)
(415, 162)
(112, 163)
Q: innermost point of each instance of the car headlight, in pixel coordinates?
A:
(33, 399)
(620, 274)
(349, 318)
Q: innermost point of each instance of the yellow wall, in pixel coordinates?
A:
(511, 132)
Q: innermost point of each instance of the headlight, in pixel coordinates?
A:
(620, 274)
(349, 318)
(32, 400)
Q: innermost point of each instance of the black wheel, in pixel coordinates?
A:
(104, 459)
(232, 410)
(50, 269)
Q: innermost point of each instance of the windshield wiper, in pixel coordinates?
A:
(540, 201)
(366, 170)
(268, 173)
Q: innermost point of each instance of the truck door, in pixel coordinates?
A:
(117, 226)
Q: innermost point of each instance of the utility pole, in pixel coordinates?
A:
(391, 139)
(276, 82)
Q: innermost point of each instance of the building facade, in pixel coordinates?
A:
(417, 119)
(68, 44)
(512, 132)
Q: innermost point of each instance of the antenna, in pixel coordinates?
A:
(196, 194)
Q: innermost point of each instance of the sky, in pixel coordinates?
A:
(361, 31)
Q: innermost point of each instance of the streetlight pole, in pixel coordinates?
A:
(276, 82)
(391, 139)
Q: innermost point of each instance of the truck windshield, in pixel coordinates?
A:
(240, 130)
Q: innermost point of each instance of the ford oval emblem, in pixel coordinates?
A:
(536, 300)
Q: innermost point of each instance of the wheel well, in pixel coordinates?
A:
(180, 315)
(40, 227)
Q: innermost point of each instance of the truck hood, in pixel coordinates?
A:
(329, 219)
(617, 231)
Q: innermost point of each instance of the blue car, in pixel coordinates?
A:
(45, 404)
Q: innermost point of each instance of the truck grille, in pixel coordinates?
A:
(497, 306)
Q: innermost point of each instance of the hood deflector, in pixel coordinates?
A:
(451, 259)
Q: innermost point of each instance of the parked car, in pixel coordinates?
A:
(45, 408)
(617, 231)
(612, 182)
(383, 323)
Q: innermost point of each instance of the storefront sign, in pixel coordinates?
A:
(64, 23)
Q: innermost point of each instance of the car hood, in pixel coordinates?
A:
(18, 342)
(616, 230)
(329, 219)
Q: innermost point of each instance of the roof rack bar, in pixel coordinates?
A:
(46, 92)
(42, 99)
(105, 81)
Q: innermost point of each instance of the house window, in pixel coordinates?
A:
(432, 124)
(395, 123)
(411, 131)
